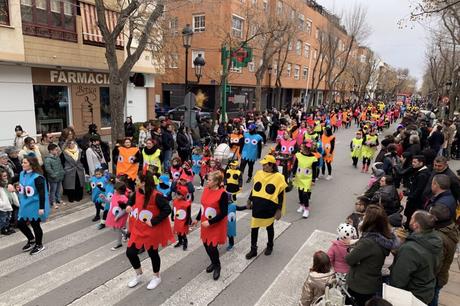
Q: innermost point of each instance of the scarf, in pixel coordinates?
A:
(73, 153)
(97, 149)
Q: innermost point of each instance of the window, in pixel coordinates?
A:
(252, 66)
(301, 21)
(234, 69)
(308, 26)
(173, 60)
(306, 50)
(265, 5)
(4, 12)
(53, 19)
(237, 26)
(298, 47)
(296, 72)
(195, 55)
(317, 33)
(254, 30)
(305, 73)
(279, 7)
(199, 23)
(51, 108)
(288, 69)
(173, 25)
(275, 68)
(106, 118)
(91, 33)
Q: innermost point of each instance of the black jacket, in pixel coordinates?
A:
(167, 139)
(416, 187)
(183, 144)
(454, 184)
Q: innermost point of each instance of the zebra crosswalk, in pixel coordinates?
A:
(78, 267)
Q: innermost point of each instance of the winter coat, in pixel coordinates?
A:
(54, 170)
(454, 184)
(315, 286)
(445, 198)
(6, 204)
(94, 161)
(25, 151)
(416, 187)
(183, 143)
(366, 261)
(417, 264)
(450, 236)
(130, 129)
(73, 169)
(387, 196)
(436, 140)
(167, 140)
(337, 253)
(19, 140)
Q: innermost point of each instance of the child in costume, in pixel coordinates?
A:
(236, 143)
(185, 183)
(231, 224)
(164, 186)
(197, 156)
(252, 150)
(370, 144)
(176, 168)
(106, 198)
(98, 182)
(204, 167)
(356, 146)
(117, 216)
(233, 180)
(182, 211)
(339, 249)
(328, 143)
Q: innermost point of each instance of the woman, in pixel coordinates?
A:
(74, 178)
(31, 147)
(387, 196)
(33, 204)
(150, 156)
(95, 156)
(214, 205)
(128, 162)
(366, 259)
(184, 146)
(149, 226)
(68, 134)
(130, 129)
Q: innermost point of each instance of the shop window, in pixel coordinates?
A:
(53, 19)
(4, 12)
(106, 118)
(51, 108)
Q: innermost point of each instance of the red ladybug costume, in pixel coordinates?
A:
(143, 235)
(181, 220)
(216, 233)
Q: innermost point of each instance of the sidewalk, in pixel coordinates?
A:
(450, 294)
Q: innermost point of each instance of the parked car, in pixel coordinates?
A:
(161, 110)
(177, 114)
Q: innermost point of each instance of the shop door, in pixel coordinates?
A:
(136, 105)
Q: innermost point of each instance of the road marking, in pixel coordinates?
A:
(202, 290)
(287, 286)
(116, 289)
(50, 226)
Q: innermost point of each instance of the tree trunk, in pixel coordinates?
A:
(117, 91)
(258, 96)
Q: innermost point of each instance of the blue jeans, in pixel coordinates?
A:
(55, 192)
(167, 154)
(435, 300)
(4, 219)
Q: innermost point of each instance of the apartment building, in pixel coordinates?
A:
(53, 71)
(214, 21)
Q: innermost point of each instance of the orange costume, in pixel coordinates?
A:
(235, 147)
(334, 120)
(216, 233)
(127, 163)
(327, 146)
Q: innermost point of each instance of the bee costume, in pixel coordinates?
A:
(233, 181)
(267, 197)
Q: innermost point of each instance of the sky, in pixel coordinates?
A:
(401, 48)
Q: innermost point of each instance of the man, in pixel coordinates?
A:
(252, 149)
(449, 234)
(19, 138)
(417, 262)
(440, 166)
(416, 187)
(267, 200)
(440, 187)
(46, 139)
(436, 140)
(167, 141)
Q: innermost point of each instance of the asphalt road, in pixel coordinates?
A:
(78, 266)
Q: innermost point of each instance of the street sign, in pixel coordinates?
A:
(189, 101)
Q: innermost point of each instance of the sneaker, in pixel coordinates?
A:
(229, 247)
(28, 246)
(178, 244)
(300, 209)
(135, 281)
(268, 251)
(329, 177)
(154, 283)
(116, 247)
(249, 180)
(210, 268)
(100, 226)
(199, 188)
(306, 213)
(321, 176)
(95, 219)
(56, 206)
(37, 249)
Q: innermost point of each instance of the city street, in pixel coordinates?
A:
(79, 268)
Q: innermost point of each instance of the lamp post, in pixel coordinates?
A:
(187, 34)
(199, 64)
(269, 94)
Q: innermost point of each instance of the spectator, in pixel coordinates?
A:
(376, 301)
(150, 156)
(14, 162)
(449, 234)
(19, 138)
(167, 142)
(387, 196)
(367, 257)
(391, 162)
(442, 195)
(436, 140)
(8, 200)
(95, 156)
(30, 147)
(418, 259)
(54, 174)
(45, 140)
(440, 166)
(130, 129)
(144, 134)
(67, 134)
(184, 146)
(74, 177)
(417, 185)
(4, 165)
(414, 145)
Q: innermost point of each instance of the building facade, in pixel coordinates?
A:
(53, 70)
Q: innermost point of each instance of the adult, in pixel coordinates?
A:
(95, 156)
(387, 196)
(67, 134)
(440, 166)
(252, 149)
(184, 146)
(414, 145)
(418, 259)
(128, 162)
(440, 188)
(130, 129)
(167, 144)
(417, 185)
(14, 162)
(19, 138)
(30, 147)
(150, 156)
(391, 162)
(367, 257)
(267, 200)
(74, 177)
(214, 204)
(45, 140)
(149, 227)
(436, 140)
(33, 204)
(5, 165)
(449, 234)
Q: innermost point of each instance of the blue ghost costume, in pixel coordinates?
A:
(251, 145)
(29, 197)
(164, 187)
(196, 163)
(231, 224)
(109, 191)
(98, 185)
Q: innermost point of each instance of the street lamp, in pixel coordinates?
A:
(199, 64)
(187, 34)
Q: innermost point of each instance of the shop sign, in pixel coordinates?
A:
(80, 77)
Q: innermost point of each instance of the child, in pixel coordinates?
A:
(54, 174)
(164, 186)
(356, 145)
(339, 249)
(117, 213)
(204, 167)
(176, 168)
(231, 224)
(197, 155)
(319, 277)
(106, 197)
(185, 183)
(7, 201)
(233, 180)
(182, 208)
(357, 216)
(98, 182)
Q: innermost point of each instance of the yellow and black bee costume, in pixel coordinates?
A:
(233, 180)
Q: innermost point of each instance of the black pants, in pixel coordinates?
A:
(76, 194)
(255, 235)
(359, 299)
(355, 161)
(104, 214)
(231, 240)
(263, 135)
(366, 161)
(304, 198)
(329, 168)
(132, 254)
(38, 232)
(250, 169)
(213, 253)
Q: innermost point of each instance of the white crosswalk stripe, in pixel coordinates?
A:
(203, 289)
